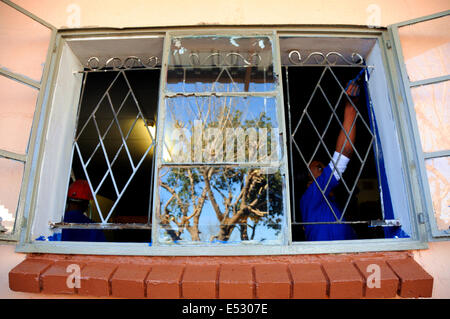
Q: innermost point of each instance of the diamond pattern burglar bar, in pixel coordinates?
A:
(115, 135)
(316, 119)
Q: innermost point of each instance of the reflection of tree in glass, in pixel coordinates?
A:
(240, 197)
(182, 184)
(245, 194)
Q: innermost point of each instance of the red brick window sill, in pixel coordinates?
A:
(249, 277)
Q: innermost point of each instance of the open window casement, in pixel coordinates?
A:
(24, 73)
(422, 47)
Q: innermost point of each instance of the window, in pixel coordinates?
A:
(22, 80)
(220, 177)
(425, 80)
(110, 117)
(192, 143)
(114, 151)
(359, 206)
(316, 118)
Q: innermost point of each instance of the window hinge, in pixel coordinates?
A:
(421, 218)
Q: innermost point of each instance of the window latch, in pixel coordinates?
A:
(421, 218)
(388, 44)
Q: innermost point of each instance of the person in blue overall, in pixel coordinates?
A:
(313, 206)
(78, 198)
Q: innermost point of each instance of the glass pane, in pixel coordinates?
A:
(426, 47)
(438, 170)
(11, 173)
(432, 106)
(221, 64)
(220, 205)
(16, 114)
(24, 43)
(221, 130)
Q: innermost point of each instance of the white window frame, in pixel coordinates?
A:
(418, 235)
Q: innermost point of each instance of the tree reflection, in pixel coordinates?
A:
(230, 196)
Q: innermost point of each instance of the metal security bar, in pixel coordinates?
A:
(328, 63)
(116, 63)
(86, 159)
(331, 59)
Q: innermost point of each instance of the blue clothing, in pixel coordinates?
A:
(314, 208)
(77, 216)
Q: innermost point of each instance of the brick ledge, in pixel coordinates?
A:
(235, 277)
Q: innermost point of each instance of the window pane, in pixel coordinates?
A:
(16, 114)
(426, 47)
(438, 171)
(11, 173)
(221, 130)
(115, 142)
(220, 205)
(432, 106)
(319, 118)
(221, 64)
(24, 43)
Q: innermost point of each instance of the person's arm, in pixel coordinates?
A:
(343, 144)
(344, 148)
